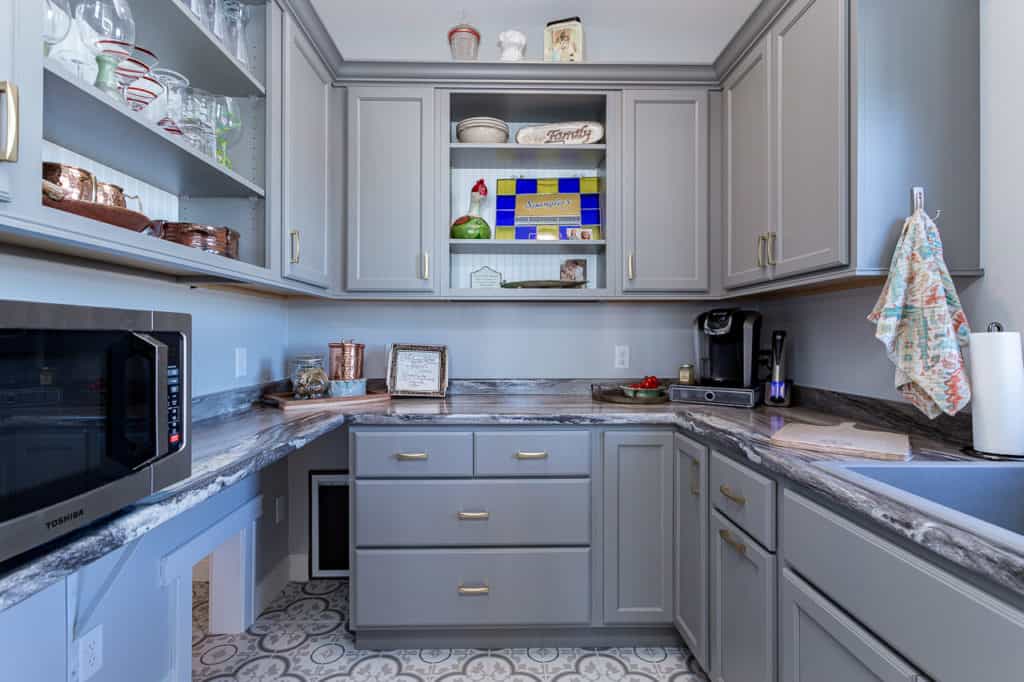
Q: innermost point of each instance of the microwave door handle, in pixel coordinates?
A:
(160, 385)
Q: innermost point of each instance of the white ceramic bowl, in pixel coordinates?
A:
(482, 133)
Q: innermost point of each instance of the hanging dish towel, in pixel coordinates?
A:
(919, 319)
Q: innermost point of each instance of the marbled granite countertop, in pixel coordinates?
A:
(226, 449)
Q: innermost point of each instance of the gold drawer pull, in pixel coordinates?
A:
(531, 455)
(738, 499)
(474, 516)
(474, 591)
(411, 456)
(695, 478)
(733, 542)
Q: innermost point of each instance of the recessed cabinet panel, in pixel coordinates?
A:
(665, 154)
(691, 547)
(810, 96)
(391, 188)
(20, 104)
(307, 176)
(747, 191)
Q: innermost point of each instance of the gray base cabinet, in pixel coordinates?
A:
(638, 527)
(817, 641)
(742, 606)
(690, 577)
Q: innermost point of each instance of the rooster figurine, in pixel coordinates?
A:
(471, 225)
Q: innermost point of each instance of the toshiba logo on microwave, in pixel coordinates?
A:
(65, 518)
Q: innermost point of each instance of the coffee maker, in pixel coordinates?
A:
(728, 343)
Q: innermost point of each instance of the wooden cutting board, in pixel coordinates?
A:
(286, 402)
(845, 439)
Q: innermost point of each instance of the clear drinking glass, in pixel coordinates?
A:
(236, 17)
(72, 53)
(218, 18)
(166, 111)
(108, 32)
(201, 9)
(228, 125)
(197, 121)
(56, 23)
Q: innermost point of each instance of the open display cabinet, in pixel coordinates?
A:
(518, 250)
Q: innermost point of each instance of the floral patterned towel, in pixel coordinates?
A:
(920, 321)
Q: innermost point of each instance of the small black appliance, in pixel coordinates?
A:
(727, 343)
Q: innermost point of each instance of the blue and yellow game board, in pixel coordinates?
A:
(548, 209)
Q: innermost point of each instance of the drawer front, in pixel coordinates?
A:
(533, 453)
(929, 616)
(454, 588)
(745, 497)
(413, 454)
(472, 513)
(742, 606)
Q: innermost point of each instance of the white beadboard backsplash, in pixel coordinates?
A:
(518, 267)
(156, 203)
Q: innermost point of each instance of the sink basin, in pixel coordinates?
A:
(984, 497)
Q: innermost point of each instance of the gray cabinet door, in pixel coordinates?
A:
(391, 140)
(818, 641)
(747, 195)
(810, 97)
(665, 198)
(742, 606)
(307, 190)
(37, 630)
(21, 67)
(691, 547)
(638, 527)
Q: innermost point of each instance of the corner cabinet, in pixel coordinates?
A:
(391, 188)
(638, 527)
(309, 221)
(691, 608)
(664, 190)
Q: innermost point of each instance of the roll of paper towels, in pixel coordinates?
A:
(997, 390)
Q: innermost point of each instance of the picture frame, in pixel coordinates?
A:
(563, 40)
(574, 270)
(417, 371)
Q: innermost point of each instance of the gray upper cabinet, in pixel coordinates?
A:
(20, 107)
(391, 188)
(747, 187)
(664, 193)
(810, 131)
(818, 641)
(638, 527)
(308, 221)
(691, 546)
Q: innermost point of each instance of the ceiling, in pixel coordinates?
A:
(648, 31)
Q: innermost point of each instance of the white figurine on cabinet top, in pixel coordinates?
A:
(512, 44)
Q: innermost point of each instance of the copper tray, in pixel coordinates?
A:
(112, 215)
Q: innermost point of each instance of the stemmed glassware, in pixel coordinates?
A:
(108, 32)
(228, 126)
(56, 23)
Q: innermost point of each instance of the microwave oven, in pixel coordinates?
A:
(94, 415)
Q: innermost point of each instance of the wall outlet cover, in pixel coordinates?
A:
(90, 653)
(241, 362)
(621, 357)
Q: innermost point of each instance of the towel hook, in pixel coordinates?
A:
(917, 196)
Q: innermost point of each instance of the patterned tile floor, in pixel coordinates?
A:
(301, 637)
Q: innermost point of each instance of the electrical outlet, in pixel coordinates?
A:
(621, 357)
(280, 508)
(241, 362)
(90, 653)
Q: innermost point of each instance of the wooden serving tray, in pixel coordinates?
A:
(619, 398)
(845, 439)
(285, 401)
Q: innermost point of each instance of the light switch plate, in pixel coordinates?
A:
(241, 362)
(621, 357)
(90, 653)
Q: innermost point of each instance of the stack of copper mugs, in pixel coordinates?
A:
(346, 360)
(222, 241)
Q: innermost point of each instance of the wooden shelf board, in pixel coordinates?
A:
(81, 118)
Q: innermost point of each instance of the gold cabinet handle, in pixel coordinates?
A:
(474, 516)
(296, 246)
(631, 267)
(426, 265)
(411, 456)
(727, 491)
(10, 149)
(770, 248)
(733, 542)
(695, 478)
(531, 455)
(760, 250)
(474, 591)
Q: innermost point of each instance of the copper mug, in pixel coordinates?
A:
(346, 360)
(109, 194)
(77, 183)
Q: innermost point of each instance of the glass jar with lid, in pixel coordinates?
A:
(309, 379)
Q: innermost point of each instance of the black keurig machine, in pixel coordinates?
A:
(728, 344)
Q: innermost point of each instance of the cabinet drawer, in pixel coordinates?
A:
(745, 497)
(929, 616)
(472, 513)
(413, 454)
(533, 453)
(425, 587)
(742, 606)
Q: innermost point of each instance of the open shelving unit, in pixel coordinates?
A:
(465, 163)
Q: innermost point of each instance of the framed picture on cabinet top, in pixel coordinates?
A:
(563, 40)
(416, 371)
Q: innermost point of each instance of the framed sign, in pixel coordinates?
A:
(418, 371)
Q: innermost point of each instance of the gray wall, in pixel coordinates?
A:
(220, 320)
(833, 345)
(502, 340)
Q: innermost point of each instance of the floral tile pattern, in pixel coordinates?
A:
(303, 637)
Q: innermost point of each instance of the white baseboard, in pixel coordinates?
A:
(298, 568)
(272, 584)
